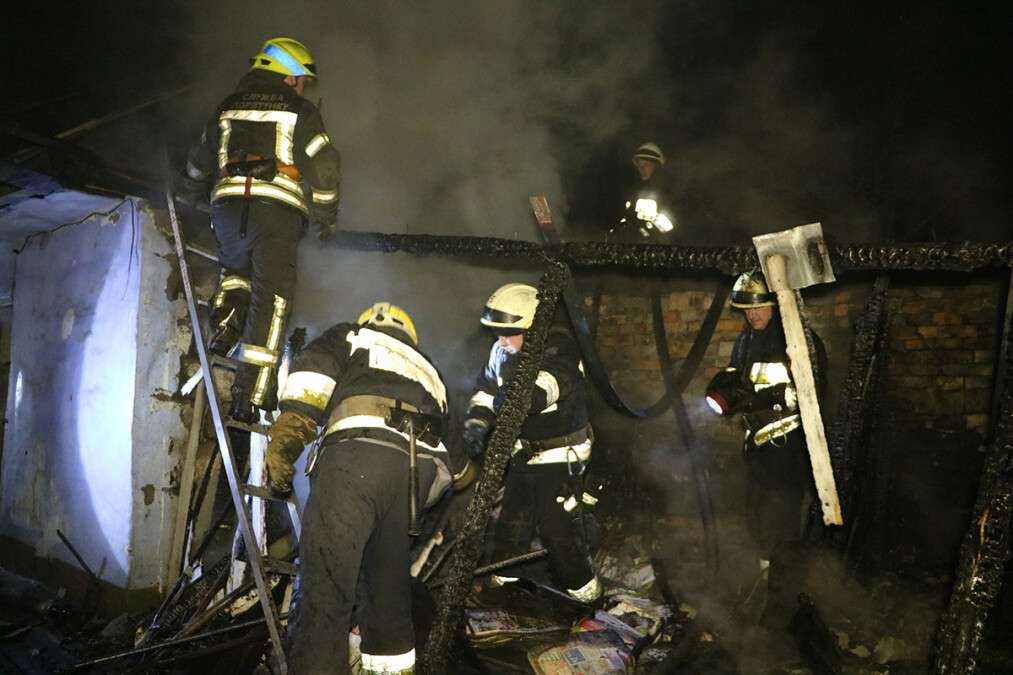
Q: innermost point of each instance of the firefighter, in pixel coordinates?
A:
(544, 480)
(647, 215)
(362, 383)
(273, 167)
(757, 383)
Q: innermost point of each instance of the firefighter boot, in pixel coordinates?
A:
(241, 409)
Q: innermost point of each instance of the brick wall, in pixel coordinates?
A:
(940, 358)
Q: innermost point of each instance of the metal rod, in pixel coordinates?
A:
(502, 564)
(169, 643)
(228, 461)
(76, 555)
(202, 619)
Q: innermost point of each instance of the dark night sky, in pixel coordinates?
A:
(888, 119)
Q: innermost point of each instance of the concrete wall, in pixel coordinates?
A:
(93, 433)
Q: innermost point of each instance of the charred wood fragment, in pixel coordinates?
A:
(986, 547)
(508, 425)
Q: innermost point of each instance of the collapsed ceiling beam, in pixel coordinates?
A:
(938, 256)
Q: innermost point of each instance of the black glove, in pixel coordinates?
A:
(325, 220)
(190, 190)
(475, 433)
(499, 399)
(729, 393)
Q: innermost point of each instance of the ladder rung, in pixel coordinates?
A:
(252, 428)
(279, 566)
(263, 493)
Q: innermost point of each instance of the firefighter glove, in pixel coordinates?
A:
(289, 435)
(476, 431)
(190, 190)
(325, 220)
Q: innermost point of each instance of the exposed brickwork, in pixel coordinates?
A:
(940, 359)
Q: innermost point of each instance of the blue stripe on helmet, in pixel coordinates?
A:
(286, 60)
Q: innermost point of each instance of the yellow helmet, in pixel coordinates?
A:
(750, 290)
(286, 56)
(386, 315)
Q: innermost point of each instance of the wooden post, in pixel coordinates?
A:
(186, 478)
(805, 386)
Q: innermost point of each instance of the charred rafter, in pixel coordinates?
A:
(508, 425)
(957, 257)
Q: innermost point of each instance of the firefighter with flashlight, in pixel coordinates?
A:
(273, 167)
(758, 384)
(544, 483)
(647, 215)
(382, 406)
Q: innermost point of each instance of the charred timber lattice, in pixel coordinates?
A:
(508, 425)
(956, 257)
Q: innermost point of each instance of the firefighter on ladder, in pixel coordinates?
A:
(757, 383)
(371, 390)
(273, 167)
(544, 482)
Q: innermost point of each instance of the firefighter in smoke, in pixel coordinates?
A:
(370, 389)
(758, 384)
(273, 167)
(544, 480)
(647, 215)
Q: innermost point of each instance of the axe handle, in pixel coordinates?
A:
(805, 386)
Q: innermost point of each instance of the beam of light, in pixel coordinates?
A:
(103, 409)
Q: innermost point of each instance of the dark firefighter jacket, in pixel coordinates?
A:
(266, 141)
(559, 399)
(761, 357)
(648, 215)
(331, 376)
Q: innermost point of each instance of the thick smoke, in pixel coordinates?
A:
(445, 112)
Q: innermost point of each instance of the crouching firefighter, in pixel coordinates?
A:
(544, 482)
(758, 384)
(377, 398)
(273, 166)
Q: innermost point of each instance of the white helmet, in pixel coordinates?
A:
(385, 315)
(650, 151)
(510, 310)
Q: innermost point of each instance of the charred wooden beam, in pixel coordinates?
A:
(511, 416)
(986, 547)
(957, 257)
(849, 436)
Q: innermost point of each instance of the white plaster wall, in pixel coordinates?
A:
(93, 435)
(67, 454)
